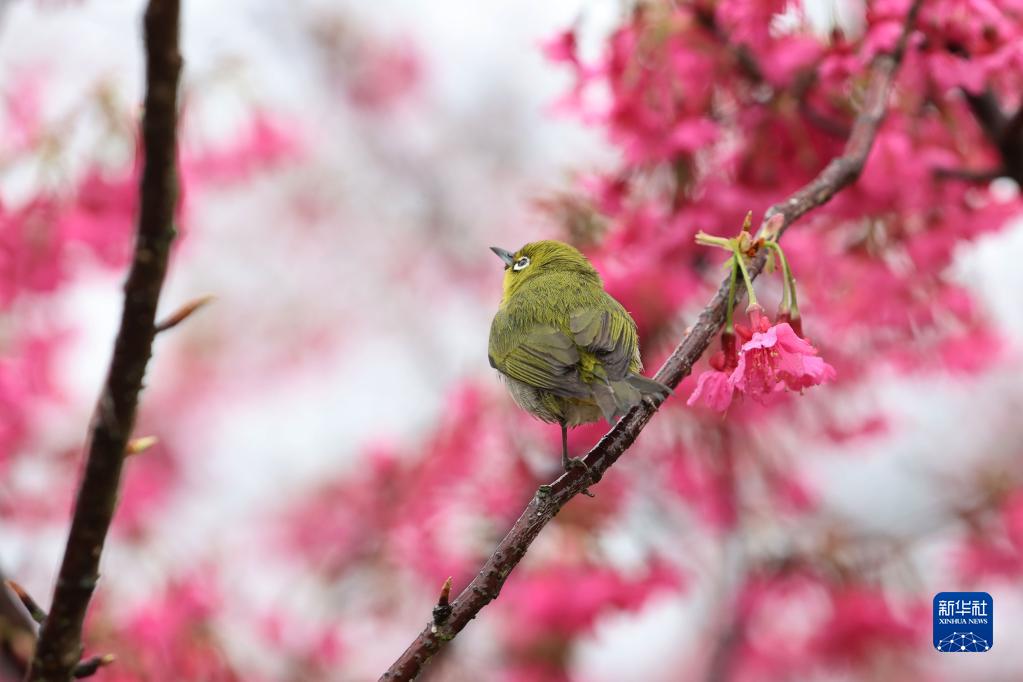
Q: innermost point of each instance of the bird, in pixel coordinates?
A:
(567, 351)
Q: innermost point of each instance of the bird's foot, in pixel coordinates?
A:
(577, 463)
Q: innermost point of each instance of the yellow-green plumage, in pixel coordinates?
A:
(568, 351)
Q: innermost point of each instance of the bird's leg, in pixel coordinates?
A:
(570, 463)
(566, 461)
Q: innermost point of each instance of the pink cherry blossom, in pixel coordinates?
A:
(103, 215)
(262, 142)
(31, 251)
(384, 74)
(776, 359)
(562, 48)
(537, 609)
(715, 388)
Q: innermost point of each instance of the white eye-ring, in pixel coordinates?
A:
(521, 263)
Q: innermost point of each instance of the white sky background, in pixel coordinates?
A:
(482, 65)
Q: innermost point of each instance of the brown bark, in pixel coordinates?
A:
(59, 649)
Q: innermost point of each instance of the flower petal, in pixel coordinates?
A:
(715, 388)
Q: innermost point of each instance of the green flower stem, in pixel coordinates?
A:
(794, 310)
(790, 281)
(751, 295)
(788, 287)
(729, 311)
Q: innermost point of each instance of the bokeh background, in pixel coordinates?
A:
(332, 443)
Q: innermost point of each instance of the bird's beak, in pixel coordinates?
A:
(507, 256)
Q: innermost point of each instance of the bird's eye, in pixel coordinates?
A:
(521, 263)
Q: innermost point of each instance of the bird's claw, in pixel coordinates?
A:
(578, 463)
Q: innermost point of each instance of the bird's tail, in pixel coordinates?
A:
(615, 398)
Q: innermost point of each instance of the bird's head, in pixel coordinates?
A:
(539, 258)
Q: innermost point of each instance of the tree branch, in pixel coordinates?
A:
(1014, 126)
(1003, 131)
(988, 112)
(549, 499)
(59, 649)
(967, 174)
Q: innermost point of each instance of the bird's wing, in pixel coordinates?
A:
(545, 358)
(609, 334)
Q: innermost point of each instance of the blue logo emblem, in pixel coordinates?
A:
(963, 621)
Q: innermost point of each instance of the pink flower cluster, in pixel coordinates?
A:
(796, 622)
(47, 241)
(172, 632)
(770, 359)
(40, 240)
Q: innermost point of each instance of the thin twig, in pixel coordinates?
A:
(34, 610)
(182, 313)
(17, 634)
(59, 649)
(967, 174)
(91, 666)
(549, 499)
(136, 446)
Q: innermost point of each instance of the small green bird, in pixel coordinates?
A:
(567, 350)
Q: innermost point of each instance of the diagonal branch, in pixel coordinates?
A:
(59, 648)
(549, 499)
(988, 112)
